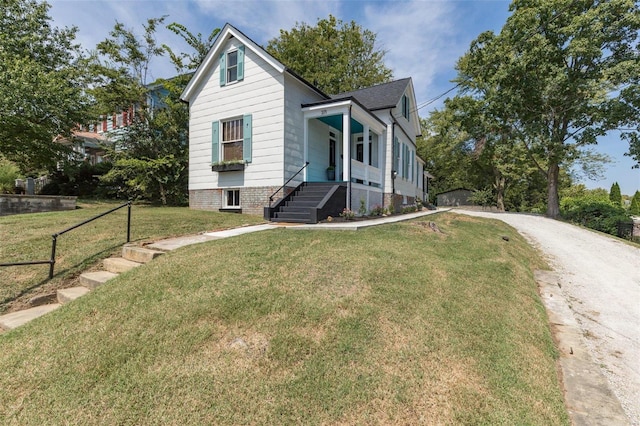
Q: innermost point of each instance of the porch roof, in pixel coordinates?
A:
(339, 102)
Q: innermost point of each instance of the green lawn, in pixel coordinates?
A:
(27, 237)
(390, 325)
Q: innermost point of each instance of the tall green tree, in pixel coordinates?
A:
(42, 84)
(151, 156)
(634, 209)
(186, 62)
(615, 196)
(336, 56)
(560, 74)
(120, 66)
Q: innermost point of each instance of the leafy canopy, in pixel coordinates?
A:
(42, 84)
(151, 159)
(560, 74)
(335, 56)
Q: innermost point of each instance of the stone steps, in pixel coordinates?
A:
(132, 257)
(16, 319)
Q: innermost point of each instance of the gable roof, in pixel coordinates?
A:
(228, 32)
(382, 96)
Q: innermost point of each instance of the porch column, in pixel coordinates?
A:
(346, 153)
(365, 152)
(306, 147)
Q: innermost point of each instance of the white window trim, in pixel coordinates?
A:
(225, 195)
(223, 142)
(227, 66)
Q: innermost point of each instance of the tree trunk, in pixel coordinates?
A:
(553, 202)
(500, 187)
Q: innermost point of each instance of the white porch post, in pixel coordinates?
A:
(365, 152)
(382, 160)
(306, 147)
(346, 153)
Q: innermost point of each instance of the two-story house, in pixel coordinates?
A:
(263, 140)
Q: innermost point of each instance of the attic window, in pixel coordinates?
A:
(232, 66)
(405, 107)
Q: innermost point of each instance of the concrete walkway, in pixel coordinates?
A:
(177, 242)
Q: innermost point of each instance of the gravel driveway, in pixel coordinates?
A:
(601, 282)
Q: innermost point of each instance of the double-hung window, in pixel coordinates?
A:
(232, 138)
(232, 66)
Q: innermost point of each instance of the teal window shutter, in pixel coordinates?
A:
(246, 135)
(413, 166)
(223, 69)
(404, 161)
(215, 142)
(240, 63)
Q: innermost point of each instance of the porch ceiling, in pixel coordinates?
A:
(335, 121)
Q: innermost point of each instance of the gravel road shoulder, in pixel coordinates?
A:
(600, 279)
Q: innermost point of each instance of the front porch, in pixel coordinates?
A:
(344, 142)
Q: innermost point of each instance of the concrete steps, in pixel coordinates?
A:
(140, 254)
(93, 280)
(118, 265)
(132, 257)
(16, 319)
(67, 295)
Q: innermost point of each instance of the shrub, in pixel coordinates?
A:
(634, 208)
(348, 214)
(363, 207)
(9, 172)
(377, 210)
(408, 209)
(482, 197)
(80, 179)
(593, 213)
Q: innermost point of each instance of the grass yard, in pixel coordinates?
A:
(27, 237)
(389, 325)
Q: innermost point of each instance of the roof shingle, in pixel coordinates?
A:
(382, 96)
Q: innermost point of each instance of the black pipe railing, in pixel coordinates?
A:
(54, 237)
(285, 184)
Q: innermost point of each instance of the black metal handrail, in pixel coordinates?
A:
(285, 184)
(55, 236)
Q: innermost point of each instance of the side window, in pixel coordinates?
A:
(232, 140)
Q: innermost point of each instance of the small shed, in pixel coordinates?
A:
(454, 197)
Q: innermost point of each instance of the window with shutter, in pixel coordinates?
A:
(232, 66)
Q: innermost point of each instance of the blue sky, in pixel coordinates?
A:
(422, 38)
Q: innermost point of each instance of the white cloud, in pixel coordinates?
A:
(262, 20)
(418, 37)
